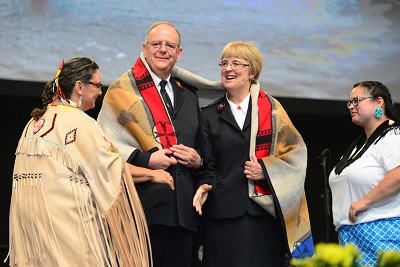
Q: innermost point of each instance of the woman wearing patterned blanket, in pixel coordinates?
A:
(255, 212)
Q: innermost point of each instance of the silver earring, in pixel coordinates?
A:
(80, 102)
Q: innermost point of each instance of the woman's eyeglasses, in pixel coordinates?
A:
(98, 85)
(355, 101)
(234, 64)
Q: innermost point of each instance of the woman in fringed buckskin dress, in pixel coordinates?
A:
(74, 202)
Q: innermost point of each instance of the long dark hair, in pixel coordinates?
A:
(74, 69)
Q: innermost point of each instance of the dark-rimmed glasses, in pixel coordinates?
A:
(355, 101)
(234, 64)
(98, 85)
(158, 44)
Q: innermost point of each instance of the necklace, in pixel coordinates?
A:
(355, 151)
(348, 158)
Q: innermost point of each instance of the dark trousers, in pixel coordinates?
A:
(171, 246)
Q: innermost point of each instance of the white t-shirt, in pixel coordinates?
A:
(360, 177)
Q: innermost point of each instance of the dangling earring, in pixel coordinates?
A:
(378, 112)
(80, 102)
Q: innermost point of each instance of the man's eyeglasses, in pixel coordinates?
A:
(355, 101)
(98, 85)
(158, 44)
(234, 64)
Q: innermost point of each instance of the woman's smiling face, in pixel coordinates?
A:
(235, 74)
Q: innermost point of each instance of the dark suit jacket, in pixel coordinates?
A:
(225, 148)
(161, 204)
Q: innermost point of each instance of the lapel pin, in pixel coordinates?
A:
(221, 106)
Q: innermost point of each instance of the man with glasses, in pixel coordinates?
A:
(153, 121)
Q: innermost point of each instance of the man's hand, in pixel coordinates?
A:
(161, 160)
(186, 156)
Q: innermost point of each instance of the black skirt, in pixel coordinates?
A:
(243, 241)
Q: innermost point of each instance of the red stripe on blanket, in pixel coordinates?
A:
(164, 132)
(263, 139)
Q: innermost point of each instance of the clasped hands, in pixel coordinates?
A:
(184, 155)
(163, 158)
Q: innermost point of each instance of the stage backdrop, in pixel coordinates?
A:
(311, 48)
